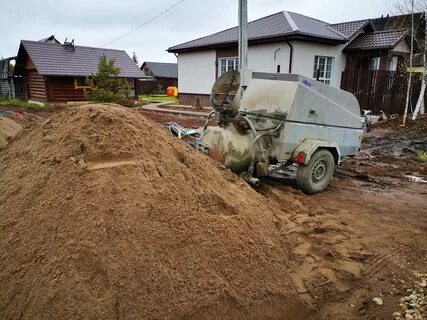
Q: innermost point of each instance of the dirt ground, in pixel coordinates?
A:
(8, 129)
(366, 234)
(365, 237)
(184, 120)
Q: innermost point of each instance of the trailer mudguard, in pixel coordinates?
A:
(303, 152)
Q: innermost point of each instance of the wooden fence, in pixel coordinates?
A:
(380, 90)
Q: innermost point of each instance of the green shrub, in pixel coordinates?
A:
(422, 156)
(106, 84)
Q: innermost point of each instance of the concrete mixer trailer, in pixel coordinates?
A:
(277, 120)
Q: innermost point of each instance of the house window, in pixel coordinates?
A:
(375, 63)
(227, 64)
(323, 68)
(81, 83)
(393, 63)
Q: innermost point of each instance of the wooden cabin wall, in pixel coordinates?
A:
(34, 82)
(61, 89)
(36, 86)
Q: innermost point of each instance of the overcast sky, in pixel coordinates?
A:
(97, 22)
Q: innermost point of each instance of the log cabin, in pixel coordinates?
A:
(55, 72)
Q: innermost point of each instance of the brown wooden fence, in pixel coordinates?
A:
(379, 90)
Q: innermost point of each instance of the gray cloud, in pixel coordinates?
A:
(95, 23)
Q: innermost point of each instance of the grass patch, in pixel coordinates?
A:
(422, 156)
(5, 102)
(157, 98)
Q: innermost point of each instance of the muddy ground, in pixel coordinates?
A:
(365, 236)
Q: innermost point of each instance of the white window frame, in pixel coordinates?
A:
(227, 62)
(393, 63)
(78, 83)
(374, 63)
(323, 72)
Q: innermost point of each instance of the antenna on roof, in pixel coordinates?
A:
(68, 46)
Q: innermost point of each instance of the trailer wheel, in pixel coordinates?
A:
(316, 175)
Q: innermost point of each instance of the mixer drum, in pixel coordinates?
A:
(225, 93)
(230, 146)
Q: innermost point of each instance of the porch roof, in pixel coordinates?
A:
(377, 40)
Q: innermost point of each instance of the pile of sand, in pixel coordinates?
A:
(8, 129)
(106, 216)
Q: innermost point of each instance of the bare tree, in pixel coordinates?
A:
(406, 7)
(405, 114)
(420, 107)
(135, 59)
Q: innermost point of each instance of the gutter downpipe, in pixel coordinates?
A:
(291, 54)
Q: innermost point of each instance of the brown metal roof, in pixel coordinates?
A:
(377, 40)
(162, 69)
(51, 59)
(279, 24)
(349, 28)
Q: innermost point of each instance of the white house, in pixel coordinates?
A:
(287, 42)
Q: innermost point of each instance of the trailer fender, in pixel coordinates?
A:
(303, 152)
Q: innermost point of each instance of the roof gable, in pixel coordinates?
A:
(50, 39)
(279, 24)
(162, 69)
(350, 28)
(51, 59)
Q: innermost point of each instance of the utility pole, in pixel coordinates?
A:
(243, 40)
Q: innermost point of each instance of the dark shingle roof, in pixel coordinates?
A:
(162, 70)
(50, 39)
(279, 24)
(350, 27)
(377, 40)
(56, 60)
(313, 27)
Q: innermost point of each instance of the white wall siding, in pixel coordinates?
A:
(196, 71)
(261, 57)
(303, 59)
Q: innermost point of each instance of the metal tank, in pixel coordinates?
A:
(276, 120)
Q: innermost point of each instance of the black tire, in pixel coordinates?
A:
(316, 175)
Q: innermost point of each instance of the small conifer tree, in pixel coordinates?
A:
(106, 84)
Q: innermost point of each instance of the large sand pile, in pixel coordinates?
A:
(106, 216)
(8, 129)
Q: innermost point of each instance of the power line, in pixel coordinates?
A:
(145, 23)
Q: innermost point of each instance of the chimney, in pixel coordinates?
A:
(68, 46)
